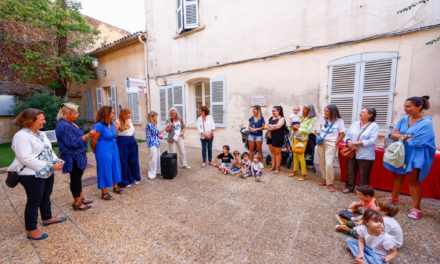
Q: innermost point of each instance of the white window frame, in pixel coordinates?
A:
(170, 92)
(99, 97)
(194, 102)
(184, 9)
(359, 61)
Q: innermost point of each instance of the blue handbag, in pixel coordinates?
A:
(320, 139)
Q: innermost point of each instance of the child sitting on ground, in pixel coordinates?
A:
(236, 163)
(373, 245)
(256, 169)
(225, 160)
(366, 201)
(388, 210)
(245, 165)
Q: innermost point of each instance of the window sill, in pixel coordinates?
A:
(186, 33)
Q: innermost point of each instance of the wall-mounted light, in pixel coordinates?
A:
(95, 64)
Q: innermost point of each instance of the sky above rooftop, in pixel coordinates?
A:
(128, 15)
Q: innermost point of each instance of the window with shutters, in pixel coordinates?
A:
(113, 99)
(133, 104)
(187, 13)
(172, 96)
(364, 80)
(88, 105)
(99, 98)
(202, 96)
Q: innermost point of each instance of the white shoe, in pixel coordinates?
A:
(186, 167)
(203, 164)
(136, 182)
(128, 186)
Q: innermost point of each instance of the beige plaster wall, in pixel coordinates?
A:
(119, 64)
(7, 129)
(245, 29)
(302, 78)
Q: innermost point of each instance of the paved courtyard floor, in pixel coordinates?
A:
(202, 216)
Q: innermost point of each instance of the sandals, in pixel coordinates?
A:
(293, 174)
(60, 220)
(77, 207)
(106, 196)
(322, 182)
(276, 171)
(118, 190)
(86, 202)
(331, 188)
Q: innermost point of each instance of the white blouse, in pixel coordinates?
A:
(206, 126)
(27, 148)
(129, 132)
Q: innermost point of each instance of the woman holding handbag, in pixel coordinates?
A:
(332, 132)
(35, 163)
(300, 139)
(206, 127)
(359, 149)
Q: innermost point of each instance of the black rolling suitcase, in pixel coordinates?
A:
(168, 165)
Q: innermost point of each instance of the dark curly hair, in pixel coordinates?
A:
(204, 109)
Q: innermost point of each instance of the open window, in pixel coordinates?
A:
(187, 13)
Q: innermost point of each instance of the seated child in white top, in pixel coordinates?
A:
(256, 169)
(388, 210)
(245, 165)
(373, 245)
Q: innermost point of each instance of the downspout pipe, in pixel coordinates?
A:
(146, 71)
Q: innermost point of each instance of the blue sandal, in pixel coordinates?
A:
(60, 220)
(43, 236)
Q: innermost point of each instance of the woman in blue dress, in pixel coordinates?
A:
(106, 152)
(417, 132)
(72, 143)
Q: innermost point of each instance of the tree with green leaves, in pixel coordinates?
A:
(66, 33)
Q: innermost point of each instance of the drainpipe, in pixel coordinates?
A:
(146, 72)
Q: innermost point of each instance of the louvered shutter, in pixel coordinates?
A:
(88, 105)
(376, 89)
(218, 99)
(342, 89)
(114, 99)
(191, 14)
(163, 105)
(179, 14)
(99, 98)
(133, 104)
(178, 99)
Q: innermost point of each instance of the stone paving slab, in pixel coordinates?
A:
(202, 216)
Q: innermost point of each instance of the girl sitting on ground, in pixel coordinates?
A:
(236, 163)
(373, 245)
(245, 165)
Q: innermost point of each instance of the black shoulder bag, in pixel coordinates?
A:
(13, 178)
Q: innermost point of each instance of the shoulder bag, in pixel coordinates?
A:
(348, 152)
(319, 139)
(13, 178)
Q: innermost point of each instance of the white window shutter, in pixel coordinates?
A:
(179, 15)
(218, 99)
(133, 104)
(377, 86)
(99, 98)
(179, 99)
(191, 14)
(114, 99)
(342, 90)
(163, 105)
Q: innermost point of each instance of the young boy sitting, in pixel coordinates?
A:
(225, 159)
(245, 165)
(366, 202)
(388, 210)
(256, 169)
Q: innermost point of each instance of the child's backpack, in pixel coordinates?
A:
(395, 154)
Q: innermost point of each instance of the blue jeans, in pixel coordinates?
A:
(369, 255)
(206, 145)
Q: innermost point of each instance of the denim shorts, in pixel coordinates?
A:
(255, 138)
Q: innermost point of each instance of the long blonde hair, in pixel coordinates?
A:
(150, 117)
(123, 113)
(66, 109)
